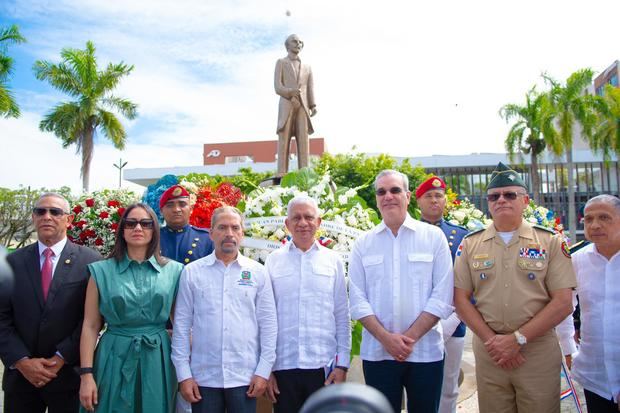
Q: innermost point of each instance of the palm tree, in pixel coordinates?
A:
(606, 137)
(572, 106)
(10, 36)
(530, 132)
(77, 122)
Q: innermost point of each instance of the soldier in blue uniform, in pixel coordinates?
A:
(431, 198)
(179, 240)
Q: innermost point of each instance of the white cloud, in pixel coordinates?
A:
(409, 79)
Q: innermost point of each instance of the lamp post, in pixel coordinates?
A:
(120, 167)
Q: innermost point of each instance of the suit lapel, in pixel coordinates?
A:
(33, 267)
(63, 268)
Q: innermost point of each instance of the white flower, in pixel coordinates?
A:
(342, 199)
(532, 220)
(351, 220)
(279, 234)
(459, 215)
(477, 214)
(351, 193)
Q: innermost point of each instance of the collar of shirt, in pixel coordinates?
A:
(241, 260)
(409, 223)
(124, 264)
(438, 223)
(591, 249)
(524, 231)
(57, 248)
(291, 247)
(175, 231)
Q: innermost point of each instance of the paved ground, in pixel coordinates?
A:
(468, 396)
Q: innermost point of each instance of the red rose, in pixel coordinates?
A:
(77, 209)
(104, 214)
(98, 241)
(113, 203)
(114, 226)
(90, 202)
(80, 224)
(83, 236)
(121, 211)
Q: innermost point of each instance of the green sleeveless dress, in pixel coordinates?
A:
(132, 367)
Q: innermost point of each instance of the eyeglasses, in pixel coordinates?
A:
(144, 223)
(55, 212)
(393, 190)
(508, 196)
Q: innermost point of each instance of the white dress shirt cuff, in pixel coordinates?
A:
(344, 360)
(184, 372)
(263, 369)
(438, 308)
(361, 310)
(449, 325)
(568, 346)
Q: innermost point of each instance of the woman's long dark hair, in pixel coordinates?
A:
(120, 246)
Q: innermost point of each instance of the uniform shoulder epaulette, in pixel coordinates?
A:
(473, 232)
(544, 228)
(200, 229)
(579, 245)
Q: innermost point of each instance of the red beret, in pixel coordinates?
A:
(434, 182)
(174, 192)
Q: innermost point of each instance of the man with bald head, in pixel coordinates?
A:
(314, 332)
(597, 266)
(41, 321)
(294, 84)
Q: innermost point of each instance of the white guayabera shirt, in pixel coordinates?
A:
(229, 314)
(597, 366)
(312, 305)
(396, 279)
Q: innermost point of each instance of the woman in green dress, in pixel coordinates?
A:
(132, 292)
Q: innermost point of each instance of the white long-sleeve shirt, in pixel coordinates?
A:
(312, 305)
(597, 366)
(396, 279)
(229, 314)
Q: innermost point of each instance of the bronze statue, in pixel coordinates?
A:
(293, 82)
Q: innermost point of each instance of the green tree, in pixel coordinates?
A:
(8, 105)
(78, 121)
(606, 137)
(529, 134)
(572, 107)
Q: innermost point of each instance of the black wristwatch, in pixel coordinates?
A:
(85, 370)
(343, 368)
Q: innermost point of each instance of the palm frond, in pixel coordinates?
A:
(112, 128)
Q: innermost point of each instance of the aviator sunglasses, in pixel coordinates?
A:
(393, 190)
(144, 223)
(55, 212)
(509, 196)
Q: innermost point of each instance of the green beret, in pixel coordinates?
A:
(504, 176)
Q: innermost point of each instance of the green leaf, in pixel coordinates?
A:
(304, 179)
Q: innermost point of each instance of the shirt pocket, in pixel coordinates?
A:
(323, 277)
(532, 269)
(373, 268)
(482, 270)
(283, 280)
(420, 269)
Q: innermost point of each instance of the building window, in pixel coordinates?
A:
(238, 159)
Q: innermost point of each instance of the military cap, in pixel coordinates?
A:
(434, 182)
(174, 192)
(504, 176)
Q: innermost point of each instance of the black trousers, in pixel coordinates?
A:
(296, 385)
(38, 401)
(598, 404)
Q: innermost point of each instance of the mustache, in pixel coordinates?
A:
(229, 239)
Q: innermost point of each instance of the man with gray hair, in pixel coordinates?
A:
(597, 266)
(401, 284)
(314, 331)
(41, 321)
(225, 326)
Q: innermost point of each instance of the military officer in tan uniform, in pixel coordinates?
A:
(521, 278)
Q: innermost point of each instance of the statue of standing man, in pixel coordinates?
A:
(293, 82)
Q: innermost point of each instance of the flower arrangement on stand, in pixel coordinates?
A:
(462, 212)
(345, 215)
(97, 216)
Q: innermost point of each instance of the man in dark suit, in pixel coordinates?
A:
(41, 321)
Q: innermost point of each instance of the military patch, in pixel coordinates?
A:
(483, 276)
(459, 250)
(436, 183)
(533, 253)
(481, 256)
(565, 249)
(177, 191)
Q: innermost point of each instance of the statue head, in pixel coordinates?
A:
(293, 44)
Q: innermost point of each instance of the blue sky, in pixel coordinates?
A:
(407, 79)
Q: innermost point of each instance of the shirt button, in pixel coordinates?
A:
(505, 305)
(506, 285)
(506, 266)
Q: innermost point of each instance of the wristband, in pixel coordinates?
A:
(85, 370)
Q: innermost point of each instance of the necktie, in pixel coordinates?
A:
(46, 272)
